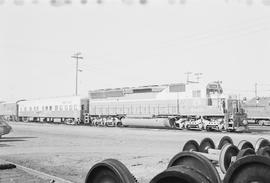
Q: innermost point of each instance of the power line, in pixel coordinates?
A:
(229, 32)
(214, 36)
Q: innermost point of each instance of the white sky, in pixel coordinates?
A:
(133, 45)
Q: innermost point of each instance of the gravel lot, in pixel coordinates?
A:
(70, 151)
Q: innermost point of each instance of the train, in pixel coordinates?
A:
(179, 105)
(258, 110)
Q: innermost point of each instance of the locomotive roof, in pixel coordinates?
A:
(162, 86)
(133, 96)
(140, 96)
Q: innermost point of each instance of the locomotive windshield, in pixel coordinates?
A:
(214, 88)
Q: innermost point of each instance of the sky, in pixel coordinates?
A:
(129, 44)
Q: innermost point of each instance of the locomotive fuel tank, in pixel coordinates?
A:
(147, 122)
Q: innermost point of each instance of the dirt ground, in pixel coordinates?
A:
(70, 151)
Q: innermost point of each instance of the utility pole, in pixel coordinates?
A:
(188, 73)
(77, 57)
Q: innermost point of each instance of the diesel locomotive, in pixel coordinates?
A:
(164, 106)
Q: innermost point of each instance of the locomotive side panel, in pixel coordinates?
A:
(150, 107)
(257, 112)
(200, 107)
(157, 107)
(258, 108)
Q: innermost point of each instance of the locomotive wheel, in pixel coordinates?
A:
(180, 174)
(197, 162)
(245, 152)
(225, 140)
(226, 154)
(191, 145)
(261, 142)
(119, 124)
(264, 151)
(205, 144)
(25, 119)
(249, 169)
(109, 171)
(243, 144)
(209, 129)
